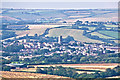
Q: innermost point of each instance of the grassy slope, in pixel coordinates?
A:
(101, 36)
(77, 34)
(110, 33)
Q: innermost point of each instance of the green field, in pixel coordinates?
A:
(76, 34)
(110, 33)
(101, 36)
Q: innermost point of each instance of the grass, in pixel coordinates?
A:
(76, 34)
(91, 28)
(101, 36)
(110, 33)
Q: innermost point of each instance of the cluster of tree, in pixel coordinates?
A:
(59, 70)
(3, 27)
(8, 34)
(68, 39)
(65, 59)
(73, 59)
(5, 68)
(39, 52)
(95, 22)
(71, 72)
(13, 48)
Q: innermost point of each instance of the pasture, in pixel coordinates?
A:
(76, 34)
(109, 33)
(101, 35)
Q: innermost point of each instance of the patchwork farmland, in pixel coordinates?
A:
(101, 67)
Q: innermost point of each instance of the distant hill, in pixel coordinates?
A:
(54, 15)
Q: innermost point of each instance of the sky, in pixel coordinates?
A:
(60, 4)
(60, 0)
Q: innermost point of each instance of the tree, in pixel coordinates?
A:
(64, 22)
(87, 22)
(78, 22)
(35, 35)
(13, 48)
(75, 27)
(6, 68)
(38, 70)
(69, 38)
(15, 58)
(83, 59)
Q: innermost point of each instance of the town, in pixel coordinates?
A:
(59, 47)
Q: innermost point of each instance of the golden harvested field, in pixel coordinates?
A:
(111, 25)
(31, 32)
(114, 77)
(101, 67)
(9, 18)
(25, 69)
(114, 19)
(8, 74)
(36, 29)
(76, 34)
(80, 72)
(77, 16)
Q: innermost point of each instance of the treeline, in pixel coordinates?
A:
(13, 48)
(4, 27)
(71, 72)
(8, 34)
(71, 59)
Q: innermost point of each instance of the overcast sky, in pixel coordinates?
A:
(59, 0)
(60, 4)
